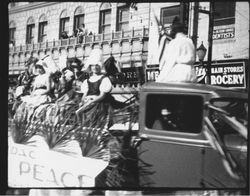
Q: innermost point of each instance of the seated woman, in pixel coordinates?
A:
(41, 88)
(94, 108)
(40, 93)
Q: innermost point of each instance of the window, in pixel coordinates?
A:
(64, 26)
(225, 13)
(42, 31)
(30, 33)
(79, 17)
(178, 113)
(12, 32)
(122, 18)
(168, 14)
(78, 20)
(105, 19)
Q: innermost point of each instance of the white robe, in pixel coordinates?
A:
(178, 61)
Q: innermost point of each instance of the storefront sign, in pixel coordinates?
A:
(152, 72)
(133, 74)
(35, 167)
(229, 74)
(224, 33)
(201, 73)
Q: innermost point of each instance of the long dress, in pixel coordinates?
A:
(37, 97)
(97, 115)
(178, 61)
(31, 102)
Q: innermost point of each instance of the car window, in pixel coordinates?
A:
(179, 113)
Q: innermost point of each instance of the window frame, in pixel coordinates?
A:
(222, 21)
(12, 33)
(62, 27)
(118, 22)
(101, 19)
(75, 26)
(41, 27)
(29, 31)
(169, 7)
(200, 111)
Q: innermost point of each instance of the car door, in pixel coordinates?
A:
(172, 157)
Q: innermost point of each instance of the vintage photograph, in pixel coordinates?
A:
(128, 98)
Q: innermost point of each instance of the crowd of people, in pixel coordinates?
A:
(79, 32)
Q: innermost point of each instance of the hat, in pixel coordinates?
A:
(95, 58)
(177, 26)
(165, 111)
(48, 64)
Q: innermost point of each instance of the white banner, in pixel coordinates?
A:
(30, 166)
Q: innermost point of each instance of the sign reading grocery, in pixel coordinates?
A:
(223, 33)
(229, 74)
(30, 166)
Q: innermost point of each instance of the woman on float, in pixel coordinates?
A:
(41, 88)
(95, 109)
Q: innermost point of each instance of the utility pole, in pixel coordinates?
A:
(210, 38)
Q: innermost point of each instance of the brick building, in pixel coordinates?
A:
(122, 30)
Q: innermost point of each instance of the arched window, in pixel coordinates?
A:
(42, 28)
(105, 18)
(64, 24)
(78, 18)
(30, 30)
(122, 18)
(12, 32)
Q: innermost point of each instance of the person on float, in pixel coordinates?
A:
(41, 87)
(179, 58)
(94, 108)
(25, 80)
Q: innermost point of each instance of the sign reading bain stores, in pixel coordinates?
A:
(223, 73)
(229, 74)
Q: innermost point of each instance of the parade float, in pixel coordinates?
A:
(207, 147)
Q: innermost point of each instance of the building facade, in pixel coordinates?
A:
(123, 30)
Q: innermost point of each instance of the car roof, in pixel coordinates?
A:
(215, 91)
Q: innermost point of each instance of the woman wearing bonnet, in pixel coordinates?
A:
(94, 108)
(179, 58)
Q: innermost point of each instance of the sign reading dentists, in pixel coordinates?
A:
(228, 74)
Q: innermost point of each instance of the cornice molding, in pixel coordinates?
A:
(31, 6)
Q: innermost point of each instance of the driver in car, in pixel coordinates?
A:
(165, 121)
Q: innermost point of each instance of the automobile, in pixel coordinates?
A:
(206, 147)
